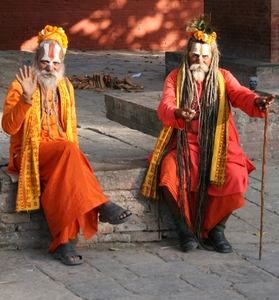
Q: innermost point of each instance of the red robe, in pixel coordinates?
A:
(222, 201)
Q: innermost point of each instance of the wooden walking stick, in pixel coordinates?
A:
(263, 181)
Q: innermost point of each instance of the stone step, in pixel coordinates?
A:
(136, 111)
(29, 230)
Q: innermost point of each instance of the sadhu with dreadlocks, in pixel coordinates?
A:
(197, 165)
(39, 114)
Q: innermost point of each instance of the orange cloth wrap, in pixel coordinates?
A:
(71, 193)
(217, 206)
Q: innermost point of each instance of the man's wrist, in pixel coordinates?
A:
(26, 99)
(176, 113)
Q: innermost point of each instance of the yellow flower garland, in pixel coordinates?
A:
(201, 29)
(207, 38)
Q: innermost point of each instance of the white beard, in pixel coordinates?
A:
(49, 80)
(199, 71)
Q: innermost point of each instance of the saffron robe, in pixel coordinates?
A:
(228, 198)
(71, 193)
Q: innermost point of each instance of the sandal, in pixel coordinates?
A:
(64, 252)
(112, 214)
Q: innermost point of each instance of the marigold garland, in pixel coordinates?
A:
(53, 29)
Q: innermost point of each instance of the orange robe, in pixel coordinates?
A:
(221, 201)
(71, 193)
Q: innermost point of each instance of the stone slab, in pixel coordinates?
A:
(136, 111)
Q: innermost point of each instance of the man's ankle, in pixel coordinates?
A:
(181, 226)
(219, 227)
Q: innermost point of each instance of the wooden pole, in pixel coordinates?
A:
(263, 181)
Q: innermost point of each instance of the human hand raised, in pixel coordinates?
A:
(265, 103)
(28, 83)
(185, 113)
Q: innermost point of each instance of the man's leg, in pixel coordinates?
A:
(187, 241)
(72, 196)
(62, 249)
(218, 211)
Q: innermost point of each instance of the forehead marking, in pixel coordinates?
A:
(51, 53)
(201, 49)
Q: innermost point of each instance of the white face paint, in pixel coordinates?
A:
(200, 50)
(51, 54)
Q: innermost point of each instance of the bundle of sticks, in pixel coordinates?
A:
(100, 81)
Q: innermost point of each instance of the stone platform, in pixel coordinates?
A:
(136, 111)
(29, 230)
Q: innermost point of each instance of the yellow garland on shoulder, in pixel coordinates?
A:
(149, 188)
(56, 33)
(28, 196)
(68, 107)
(29, 191)
(221, 140)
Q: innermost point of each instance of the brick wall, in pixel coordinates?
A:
(247, 29)
(96, 25)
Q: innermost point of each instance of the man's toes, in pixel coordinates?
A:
(125, 214)
(73, 258)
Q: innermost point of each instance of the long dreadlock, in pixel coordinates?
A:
(206, 132)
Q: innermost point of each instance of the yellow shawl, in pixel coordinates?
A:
(218, 169)
(29, 189)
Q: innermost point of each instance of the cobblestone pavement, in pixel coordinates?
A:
(157, 270)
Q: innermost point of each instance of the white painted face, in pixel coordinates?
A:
(51, 55)
(200, 51)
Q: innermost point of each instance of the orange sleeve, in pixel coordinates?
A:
(14, 109)
(167, 105)
(241, 97)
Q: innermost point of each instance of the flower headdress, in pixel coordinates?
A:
(54, 33)
(201, 29)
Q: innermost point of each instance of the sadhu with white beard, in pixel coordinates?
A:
(197, 165)
(39, 114)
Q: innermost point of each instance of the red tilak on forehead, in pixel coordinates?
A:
(51, 51)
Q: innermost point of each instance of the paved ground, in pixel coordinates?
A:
(152, 270)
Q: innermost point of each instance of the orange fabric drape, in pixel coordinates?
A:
(70, 190)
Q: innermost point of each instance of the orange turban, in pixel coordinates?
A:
(54, 33)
